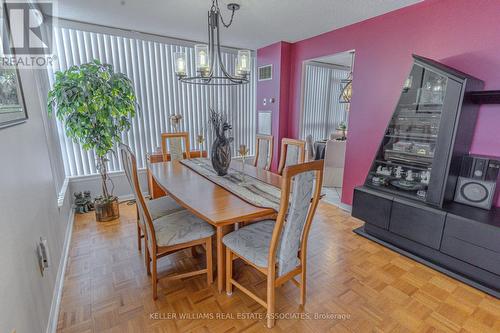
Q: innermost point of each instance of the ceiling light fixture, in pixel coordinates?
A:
(346, 93)
(205, 55)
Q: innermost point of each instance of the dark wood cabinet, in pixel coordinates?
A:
(372, 207)
(406, 201)
(416, 222)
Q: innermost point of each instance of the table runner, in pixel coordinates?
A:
(253, 190)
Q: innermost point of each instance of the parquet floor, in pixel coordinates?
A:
(359, 286)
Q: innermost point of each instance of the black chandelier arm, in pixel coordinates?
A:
(212, 24)
(221, 64)
(213, 81)
(215, 7)
(207, 77)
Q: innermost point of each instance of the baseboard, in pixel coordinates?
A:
(58, 287)
(62, 193)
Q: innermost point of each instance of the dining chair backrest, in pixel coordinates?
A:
(130, 166)
(300, 194)
(171, 143)
(309, 148)
(264, 151)
(292, 152)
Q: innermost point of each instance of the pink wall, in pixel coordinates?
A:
(278, 55)
(460, 33)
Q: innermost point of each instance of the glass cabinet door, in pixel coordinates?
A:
(404, 161)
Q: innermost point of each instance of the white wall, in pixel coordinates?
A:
(28, 210)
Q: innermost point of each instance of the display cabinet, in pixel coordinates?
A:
(407, 199)
(417, 150)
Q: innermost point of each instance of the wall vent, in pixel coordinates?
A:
(265, 72)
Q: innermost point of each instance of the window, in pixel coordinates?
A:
(148, 61)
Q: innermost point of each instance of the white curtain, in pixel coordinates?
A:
(322, 113)
(148, 61)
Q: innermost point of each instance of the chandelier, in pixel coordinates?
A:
(207, 55)
(346, 93)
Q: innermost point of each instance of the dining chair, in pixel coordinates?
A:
(309, 148)
(278, 248)
(171, 143)
(170, 233)
(292, 152)
(157, 207)
(264, 151)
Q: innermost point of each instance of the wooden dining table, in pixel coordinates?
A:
(211, 202)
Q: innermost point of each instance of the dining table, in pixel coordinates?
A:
(211, 202)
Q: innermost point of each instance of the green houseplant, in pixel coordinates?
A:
(95, 104)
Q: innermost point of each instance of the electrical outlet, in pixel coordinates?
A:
(43, 254)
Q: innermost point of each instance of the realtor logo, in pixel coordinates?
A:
(27, 33)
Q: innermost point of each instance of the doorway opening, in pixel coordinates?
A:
(326, 95)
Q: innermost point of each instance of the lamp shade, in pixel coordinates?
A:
(180, 63)
(244, 62)
(202, 59)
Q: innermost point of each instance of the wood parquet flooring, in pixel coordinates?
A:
(367, 287)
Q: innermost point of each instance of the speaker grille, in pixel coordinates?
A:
(474, 192)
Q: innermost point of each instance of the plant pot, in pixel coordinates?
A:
(106, 209)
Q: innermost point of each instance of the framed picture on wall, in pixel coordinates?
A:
(12, 106)
(264, 122)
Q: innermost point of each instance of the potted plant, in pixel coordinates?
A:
(342, 128)
(95, 104)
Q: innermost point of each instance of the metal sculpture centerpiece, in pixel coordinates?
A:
(221, 148)
(207, 55)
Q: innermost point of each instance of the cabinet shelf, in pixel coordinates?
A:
(396, 164)
(485, 97)
(411, 137)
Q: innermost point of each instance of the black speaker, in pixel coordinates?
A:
(492, 170)
(473, 192)
(479, 168)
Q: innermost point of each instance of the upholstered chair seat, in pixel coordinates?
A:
(252, 242)
(278, 248)
(181, 227)
(162, 206)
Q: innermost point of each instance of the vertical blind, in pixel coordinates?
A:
(149, 63)
(322, 113)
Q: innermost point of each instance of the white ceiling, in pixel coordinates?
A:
(258, 23)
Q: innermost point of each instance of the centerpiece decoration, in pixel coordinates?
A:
(243, 153)
(95, 104)
(221, 148)
(200, 139)
(175, 120)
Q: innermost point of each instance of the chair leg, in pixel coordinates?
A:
(210, 268)
(270, 299)
(139, 235)
(229, 271)
(154, 278)
(146, 258)
(303, 286)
